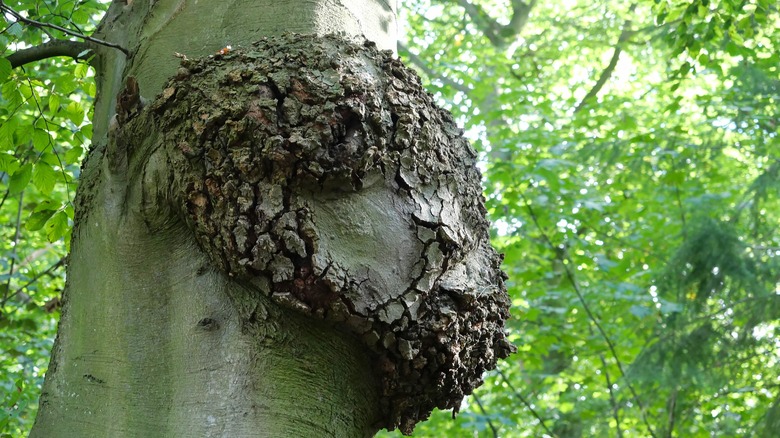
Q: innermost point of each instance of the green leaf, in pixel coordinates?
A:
(41, 140)
(56, 226)
(90, 88)
(81, 70)
(66, 84)
(80, 16)
(48, 204)
(673, 178)
(7, 130)
(5, 69)
(15, 30)
(73, 155)
(27, 90)
(10, 92)
(44, 177)
(48, 157)
(8, 163)
(86, 131)
(38, 219)
(20, 179)
(54, 103)
(75, 113)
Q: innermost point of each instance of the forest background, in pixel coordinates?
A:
(631, 167)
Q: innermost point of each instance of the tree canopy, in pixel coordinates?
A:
(631, 167)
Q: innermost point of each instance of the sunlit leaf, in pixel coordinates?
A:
(54, 103)
(81, 70)
(75, 112)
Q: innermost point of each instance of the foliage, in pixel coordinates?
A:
(632, 167)
(44, 131)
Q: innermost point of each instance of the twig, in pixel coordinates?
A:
(41, 25)
(78, 50)
(525, 403)
(670, 407)
(682, 211)
(612, 399)
(5, 196)
(48, 271)
(490, 423)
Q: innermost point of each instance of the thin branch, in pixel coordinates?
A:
(612, 398)
(78, 50)
(625, 35)
(5, 195)
(670, 407)
(525, 403)
(482, 409)
(48, 271)
(41, 25)
(422, 65)
(567, 262)
(681, 208)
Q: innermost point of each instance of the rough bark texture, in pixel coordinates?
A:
(318, 172)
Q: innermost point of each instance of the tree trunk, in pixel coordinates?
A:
(288, 241)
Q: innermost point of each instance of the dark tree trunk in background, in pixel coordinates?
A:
(289, 240)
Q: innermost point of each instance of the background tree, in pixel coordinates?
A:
(631, 160)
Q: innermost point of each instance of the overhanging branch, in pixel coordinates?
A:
(78, 50)
(41, 25)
